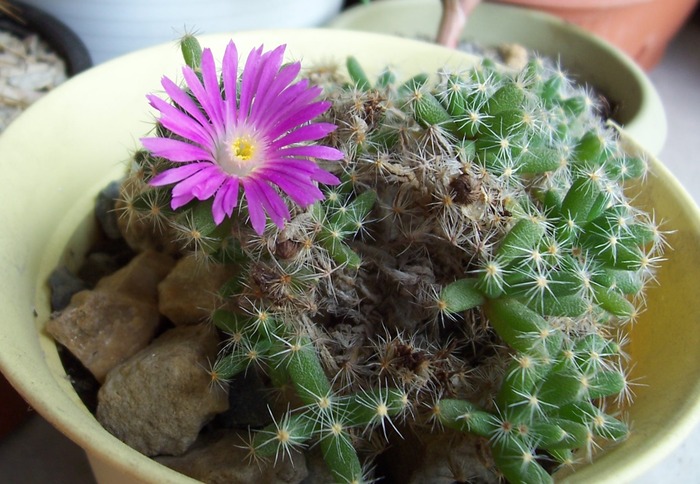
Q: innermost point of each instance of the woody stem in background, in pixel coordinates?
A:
(454, 17)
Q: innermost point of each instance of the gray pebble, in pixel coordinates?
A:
(64, 284)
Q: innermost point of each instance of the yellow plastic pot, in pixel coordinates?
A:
(65, 148)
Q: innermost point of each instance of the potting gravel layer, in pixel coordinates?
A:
(29, 69)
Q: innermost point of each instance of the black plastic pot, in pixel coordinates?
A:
(26, 19)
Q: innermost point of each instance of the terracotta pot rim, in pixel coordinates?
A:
(576, 4)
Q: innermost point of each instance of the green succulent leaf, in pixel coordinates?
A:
(461, 295)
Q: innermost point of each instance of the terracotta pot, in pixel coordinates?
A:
(641, 28)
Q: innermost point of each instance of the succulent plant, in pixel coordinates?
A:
(474, 270)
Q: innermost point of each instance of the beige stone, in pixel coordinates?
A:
(105, 326)
(158, 401)
(103, 329)
(190, 292)
(140, 277)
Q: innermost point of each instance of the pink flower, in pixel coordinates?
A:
(252, 132)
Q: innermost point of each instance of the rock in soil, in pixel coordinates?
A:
(221, 458)
(102, 329)
(158, 401)
(190, 293)
(64, 285)
(140, 277)
(105, 326)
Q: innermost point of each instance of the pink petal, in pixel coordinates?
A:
(183, 100)
(325, 177)
(181, 200)
(292, 99)
(286, 74)
(312, 151)
(176, 150)
(230, 200)
(302, 116)
(275, 206)
(309, 132)
(287, 172)
(267, 72)
(230, 77)
(174, 175)
(270, 200)
(269, 83)
(248, 80)
(255, 206)
(209, 185)
(180, 123)
(281, 107)
(210, 103)
(292, 166)
(211, 85)
(198, 184)
(225, 200)
(301, 191)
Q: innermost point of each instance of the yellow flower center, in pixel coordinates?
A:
(239, 155)
(243, 148)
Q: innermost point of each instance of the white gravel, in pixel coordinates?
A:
(28, 70)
